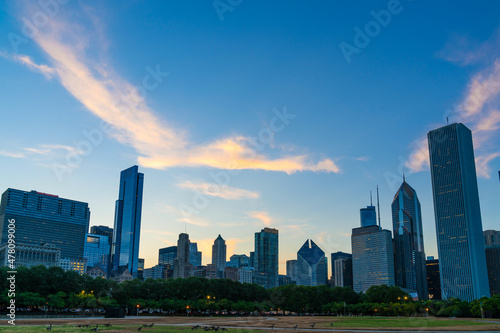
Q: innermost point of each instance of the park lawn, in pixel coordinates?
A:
(401, 322)
(117, 328)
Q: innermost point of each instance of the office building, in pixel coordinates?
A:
(103, 231)
(342, 269)
(42, 218)
(97, 250)
(433, 280)
(284, 280)
(245, 274)
(155, 272)
(231, 273)
(291, 269)
(127, 229)
(459, 230)
(239, 260)
(28, 255)
(167, 255)
(141, 263)
(368, 216)
(312, 266)
(77, 265)
(219, 253)
(492, 241)
(409, 254)
(372, 256)
(182, 265)
(194, 254)
(266, 258)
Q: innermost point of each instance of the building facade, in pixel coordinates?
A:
(97, 250)
(182, 265)
(342, 269)
(127, 229)
(492, 241)
(194, 254)
(459, 230)
(372, 257)
(167, 255)
(219, 253)
(312, 266)
(291, 269)
(239, 260)
(266, 258)
(41, 218)
(433, 280)
(28, 255)
(409, 253)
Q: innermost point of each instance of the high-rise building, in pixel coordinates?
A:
(219, 253)
(372, 256)
(342, 269)
(127, 230)
(194, 254)
(368, 216)
(97, 250)
(141, 263)
(409, 254)
(433, 281)
(266, 258)
(167, 255)
(239, 260)
(291, 269)
(492, 241)
(182, 266)
(155, 272)
(42, 218)
(459, 230)
(103, 231)
(312, 266)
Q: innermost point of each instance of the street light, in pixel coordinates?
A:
(187, 310)
(427, 312)
(137, 310)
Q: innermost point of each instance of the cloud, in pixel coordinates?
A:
(482, 161)
(47, 71)
(261, 216)
(14, 155)
(222, 191)
(110, 97)
(479, 110)
(180, 217)
(45, 149)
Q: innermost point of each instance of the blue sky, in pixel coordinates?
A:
(187, 90)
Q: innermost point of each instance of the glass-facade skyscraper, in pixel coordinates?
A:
(44, 218)
(342, 269)
(127, 229)
(194, 254)
(266, 258)
(409, 254)
(167, 255)
(312, 266)
(457, 213)
(97, 250)
(219, 253)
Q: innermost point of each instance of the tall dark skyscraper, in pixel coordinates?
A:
(342, 269)
(266, 257)
(312, 265)
(46, 218)
(182, 264)
(127, 230)
(457, 213)
(409, 254)
(167, 255)
(492, 241)
(433, 280)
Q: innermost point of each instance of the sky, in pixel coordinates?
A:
(246, 114)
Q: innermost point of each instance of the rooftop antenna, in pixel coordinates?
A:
(378, 207)
(447, 122)
(371, 201)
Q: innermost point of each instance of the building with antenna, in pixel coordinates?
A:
(409, 254)
(372, 256)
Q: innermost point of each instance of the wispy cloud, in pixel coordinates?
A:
(10, 154)
(261, 216)
(482, 161)
(222, 191)
(111, 98)
(49, 149)
(27, 61)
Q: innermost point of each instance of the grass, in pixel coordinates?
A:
(403, 322)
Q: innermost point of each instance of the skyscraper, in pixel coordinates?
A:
(266, 257)
(182, 266)
(433, 282)
(312, 266)
(368, 216)
(45, 218)
(127, 230)
(457, 213)
(409, 255)
(372, 257)
(342, 269)
(492, 241)
(167, 255)
(291, 269)
(194, 254)
(219, 253)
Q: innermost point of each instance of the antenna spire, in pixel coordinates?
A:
(371, 201)
(378, 207)
(404, 177)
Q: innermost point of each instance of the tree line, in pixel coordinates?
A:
(54, 289)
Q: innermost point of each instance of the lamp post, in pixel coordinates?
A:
(187, 310)
(137, 310)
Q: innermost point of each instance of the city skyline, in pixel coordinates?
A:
(212, 85)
